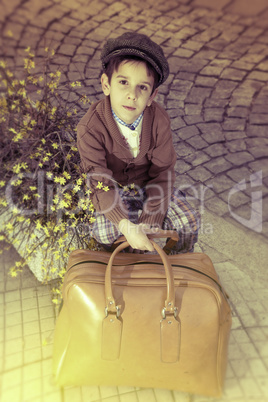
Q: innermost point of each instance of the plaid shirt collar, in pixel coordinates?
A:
(132, 126)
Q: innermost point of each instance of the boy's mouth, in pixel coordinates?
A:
(129, 108)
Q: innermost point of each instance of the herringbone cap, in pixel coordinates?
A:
(139, 45)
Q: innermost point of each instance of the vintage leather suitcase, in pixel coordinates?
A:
(144, 320)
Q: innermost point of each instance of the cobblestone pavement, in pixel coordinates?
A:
(216, 96)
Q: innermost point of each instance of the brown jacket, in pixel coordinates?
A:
(106, 158)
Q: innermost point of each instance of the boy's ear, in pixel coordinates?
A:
(105, 84)
(150, 100)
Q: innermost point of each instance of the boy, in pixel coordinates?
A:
(125, 144)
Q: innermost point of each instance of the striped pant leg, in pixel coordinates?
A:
(184, 219)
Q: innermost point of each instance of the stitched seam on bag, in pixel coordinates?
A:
(150, 263)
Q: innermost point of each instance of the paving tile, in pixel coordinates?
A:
(129, 397)
(13, 361)
(163, 395)
(146, 395)
(32, 389)
(90, 393)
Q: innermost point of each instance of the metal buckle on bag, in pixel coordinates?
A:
(164, 312)
(118, 312)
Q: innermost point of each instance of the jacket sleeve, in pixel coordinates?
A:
(160, 186)
(99, 177)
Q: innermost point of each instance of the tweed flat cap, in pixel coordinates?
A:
(139, 45)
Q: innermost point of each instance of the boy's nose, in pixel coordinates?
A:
(132, 94)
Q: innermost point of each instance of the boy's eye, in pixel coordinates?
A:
(143, 87)
(123, 82)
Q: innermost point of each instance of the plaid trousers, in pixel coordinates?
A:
(180, 216)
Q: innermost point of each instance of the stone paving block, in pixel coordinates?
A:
(235, 200)
(198, 95)
(241, 65)
(214, 114)
(184, 53)
(197, 142)
(224, 89)
(188, 132)
(239, 158)
(237, 111)
(182, 149)
(258, 118)
(216, 149)
(218, 165)
(211, 132)
(237, 145)
(182, 167)
(197, 158)
(200, 173)
(193, 119)
(263, 66)
(217, 206)
(220, 183)
(235, 124)
(205, 81)
(234, 74)
(259, 152)
(246, 7)
(216, 102)
(213, 71)
(193, 109)
(259, 76)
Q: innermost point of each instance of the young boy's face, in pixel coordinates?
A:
(130, 90)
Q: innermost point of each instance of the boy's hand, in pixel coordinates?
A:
(135, 235)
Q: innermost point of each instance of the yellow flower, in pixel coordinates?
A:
(9, 226)
(28, 49)
(2, 183)
(38, 225)
(106, 188)
(60, 180)
(55, 145)
(67, 175)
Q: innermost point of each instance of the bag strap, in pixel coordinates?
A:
(111, 306)
(169, 324)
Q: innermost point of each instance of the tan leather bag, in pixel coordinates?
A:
(143, 320)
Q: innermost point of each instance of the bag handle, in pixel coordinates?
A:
(111, 306)
(170, 332)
